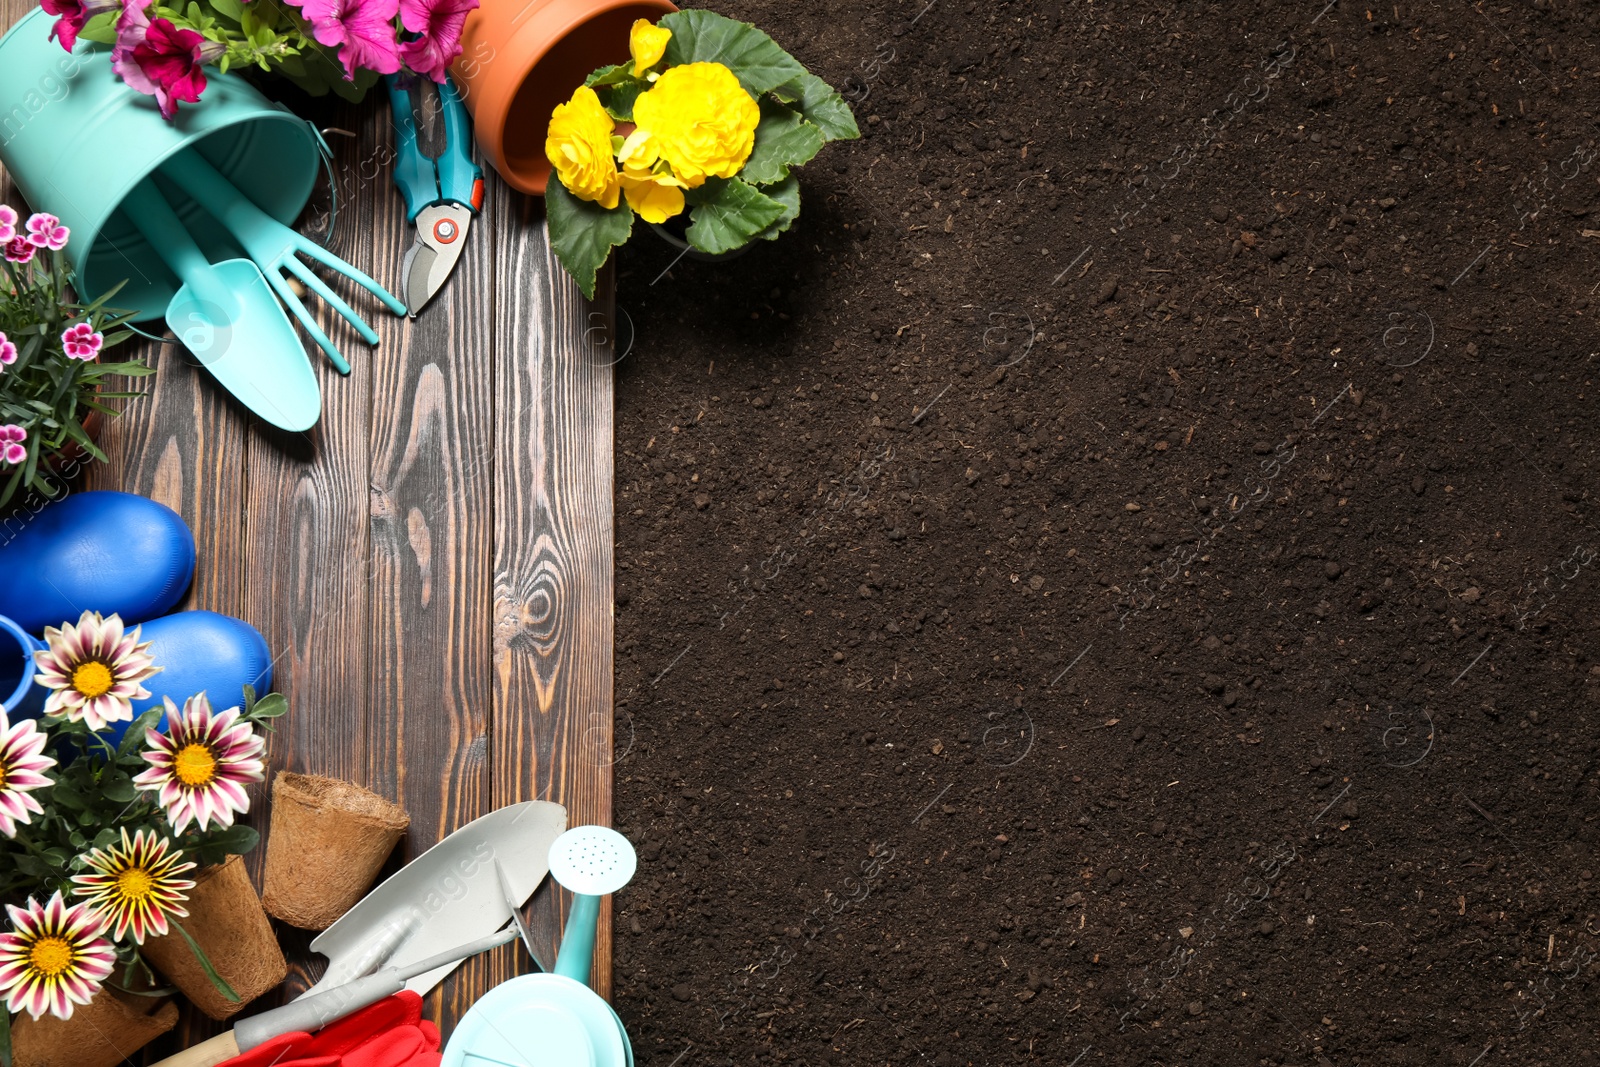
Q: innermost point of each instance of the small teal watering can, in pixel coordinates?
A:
(556, 1020)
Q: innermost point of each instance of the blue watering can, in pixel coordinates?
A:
(556, 1020)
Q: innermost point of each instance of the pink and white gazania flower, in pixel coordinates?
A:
(80, 341)
(12, 449)
(94, 669)
(199, 767)
(46, 231)
(438, 22)
(19, 250)
(363, 30)
(8, 223)
(22, 762)
(54, 957)
(136, 885)
(8, 350)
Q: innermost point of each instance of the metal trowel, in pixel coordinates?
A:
(449, 895)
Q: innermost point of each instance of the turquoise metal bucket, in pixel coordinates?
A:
(76, 140)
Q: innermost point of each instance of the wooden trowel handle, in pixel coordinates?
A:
(219, 1049)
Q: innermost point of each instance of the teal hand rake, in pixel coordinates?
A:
(275, 248)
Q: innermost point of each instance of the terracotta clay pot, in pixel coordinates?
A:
(226, 920)
(520, 58)
(329, 840)
(105, 1032)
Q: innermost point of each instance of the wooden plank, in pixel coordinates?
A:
(553, 584)
(431, 425)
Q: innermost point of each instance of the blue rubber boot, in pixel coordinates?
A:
(201, 651)
(115, 553)
(19, 697)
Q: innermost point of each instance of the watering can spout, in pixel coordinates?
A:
(577, 944)
(589, 862)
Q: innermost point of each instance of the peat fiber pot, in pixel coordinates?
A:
(77, 140)
(520, 58)
(105, 1032)
(328, 841)
(226, 920)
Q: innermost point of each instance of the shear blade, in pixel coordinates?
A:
(441, 235)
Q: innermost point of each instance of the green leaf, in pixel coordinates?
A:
(618, 99)
(133, 738)
(118, 787)
(205, 964)
(271, 706)
(615, 75)
(236, 840)
(783, 139)
(822, 104)
(5, 1037)
(583, 233)
(706, 37)
(102, 29)
(727, 214)
(231, 8)
(787, 193)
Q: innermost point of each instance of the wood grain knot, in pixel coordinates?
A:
(530, 616)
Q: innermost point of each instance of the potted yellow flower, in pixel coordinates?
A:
(709, 117)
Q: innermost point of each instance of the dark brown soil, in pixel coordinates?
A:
(1117, 584)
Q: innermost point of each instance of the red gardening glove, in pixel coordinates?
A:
(390, 1033)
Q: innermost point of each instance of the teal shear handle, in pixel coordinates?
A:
(424, 180)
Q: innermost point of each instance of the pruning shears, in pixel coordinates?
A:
(443, 190)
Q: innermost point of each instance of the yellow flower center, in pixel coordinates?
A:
(135, 884)
(50, 956)
(92, 679)
(2, 777)
(195, 765)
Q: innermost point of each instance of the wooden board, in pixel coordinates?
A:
(432, 564)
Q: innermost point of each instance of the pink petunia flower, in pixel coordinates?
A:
(80, 341)
(72, 14)
(159, 59)
(19, 250)
(11, 448)
(8, 350)
(362, 29)
(8, 223)
(439, 23)
(46, 231)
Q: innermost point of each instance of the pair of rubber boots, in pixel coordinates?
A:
(116, 553)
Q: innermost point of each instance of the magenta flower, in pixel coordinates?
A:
(362, 29)
(439, 23)
(18, 250)
(46, 231)
(159, 59)
(11, 438)
(8, 350)
(8, 223)
(81, 341)
(72, 16)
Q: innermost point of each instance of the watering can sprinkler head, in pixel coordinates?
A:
(589, 862)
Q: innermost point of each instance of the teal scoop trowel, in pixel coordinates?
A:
(227, 315)
(556, 1020)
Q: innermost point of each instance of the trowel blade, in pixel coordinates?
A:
(449, 895)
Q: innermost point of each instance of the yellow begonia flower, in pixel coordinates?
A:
(698, 119)
(647, 44)
(654, 201)
(579, 148)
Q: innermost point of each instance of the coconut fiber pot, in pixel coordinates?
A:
(105, 1032)
(328, 841)
(226, 920)
(77, 140)
(520, 58)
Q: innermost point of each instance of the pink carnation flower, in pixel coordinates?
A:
(72, 16)
(80, 341)
(439, 23)
(11, 449)
(8, 223)
(19, 250)
(363, 30)
(161, 60)
(8, 350)
(46, 231)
